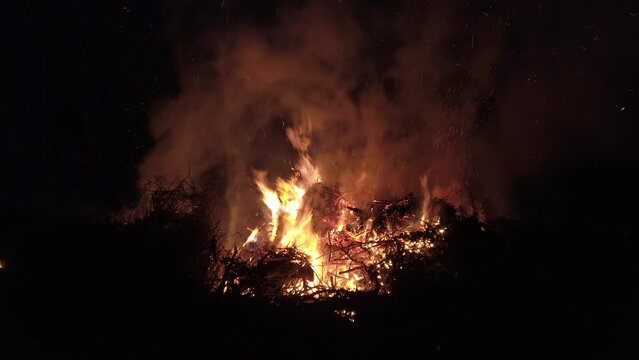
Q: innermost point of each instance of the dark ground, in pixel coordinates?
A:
(560, 281)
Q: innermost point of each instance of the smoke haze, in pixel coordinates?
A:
(467, 95)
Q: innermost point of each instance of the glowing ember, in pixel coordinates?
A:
(346, 314)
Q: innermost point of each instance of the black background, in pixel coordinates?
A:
(80, 79)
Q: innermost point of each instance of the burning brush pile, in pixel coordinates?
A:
(358, 250)
(315, 244)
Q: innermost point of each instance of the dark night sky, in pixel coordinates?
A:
(85, 77)
(82, 79)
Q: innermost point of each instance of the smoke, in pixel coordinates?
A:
(378, 96)
(425, 197)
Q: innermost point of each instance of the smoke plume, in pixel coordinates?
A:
(381, 96)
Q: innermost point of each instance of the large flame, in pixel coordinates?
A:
(291, 225)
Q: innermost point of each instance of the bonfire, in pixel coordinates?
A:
(315, 243)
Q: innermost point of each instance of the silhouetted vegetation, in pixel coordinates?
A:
(497, 288)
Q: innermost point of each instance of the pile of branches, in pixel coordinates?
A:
(180, 200)
(272, 273)
(182, 221)
(268, 276)
(177, 224)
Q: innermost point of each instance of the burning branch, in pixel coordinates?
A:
(360, 255)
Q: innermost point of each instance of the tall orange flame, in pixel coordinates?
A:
(291, 224)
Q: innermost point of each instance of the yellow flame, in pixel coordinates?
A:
(253, 237)
(289, 227)
(270, 199)
(292, 226)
